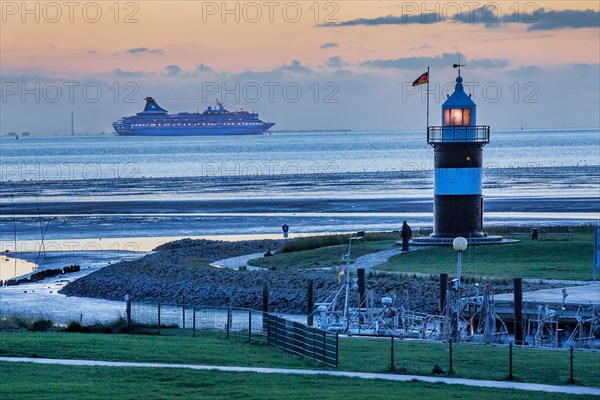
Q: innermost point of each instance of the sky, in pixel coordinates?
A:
(300, 64)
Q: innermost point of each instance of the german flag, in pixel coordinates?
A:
(424, 78)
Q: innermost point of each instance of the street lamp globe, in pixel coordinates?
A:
(460, 243)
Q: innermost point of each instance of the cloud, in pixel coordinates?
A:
(527, 71)
(489, 16)
(550, 20)
(335, 62)
(444, 60)
(144, 50)
(203, 68)
(488, 63)
(295, 66)
(421, 47)
(120, 73)
(173, 71)
(328, 45)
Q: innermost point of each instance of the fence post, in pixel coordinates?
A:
(310, 301)
(324, 347)
(451, 367)
(392, 354)
(337, 348)
(510, 361)
(228, 321)
(128, 311)
(249, 324)
(159, 318)
(183, 310)
(571, 378)
(194, 322)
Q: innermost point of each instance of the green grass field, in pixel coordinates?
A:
(540, 259)
(355, 354)
(322, 257)
(40, 382)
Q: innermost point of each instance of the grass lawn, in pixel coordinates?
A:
(365, 355)
(543, 259)
(470, 361)
(172, 346)
(30, 381)
(322, 257)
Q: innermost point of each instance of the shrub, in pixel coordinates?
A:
(42, 325)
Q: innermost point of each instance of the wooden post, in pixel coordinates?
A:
(360, 273)
(451, 366)
(194, 322)
(128, 311)
(571, 377)
(159, 318)
(249, 324)
(310, 302)
(510, 361)
(265, 297)
(183, 311)
(518, 308)
(392, 368)
(443, 291)
(228, 321)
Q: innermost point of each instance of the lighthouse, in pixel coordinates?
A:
(458, 159)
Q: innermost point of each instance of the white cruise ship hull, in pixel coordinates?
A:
(193, 131)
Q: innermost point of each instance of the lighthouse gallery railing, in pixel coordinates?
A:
(449, 134)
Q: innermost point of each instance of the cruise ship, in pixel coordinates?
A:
(156, 121)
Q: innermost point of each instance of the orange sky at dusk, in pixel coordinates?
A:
(177, 28)
(370, 50)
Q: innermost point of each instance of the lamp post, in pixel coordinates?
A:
(459, 244)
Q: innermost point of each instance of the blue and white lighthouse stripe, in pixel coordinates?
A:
(458, 181)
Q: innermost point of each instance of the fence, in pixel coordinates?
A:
(232, 322)
(297, 338)
(289, 335)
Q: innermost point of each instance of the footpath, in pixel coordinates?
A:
(582, 390)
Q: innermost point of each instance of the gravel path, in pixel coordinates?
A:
(362, 375)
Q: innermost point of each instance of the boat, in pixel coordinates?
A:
(156, 121)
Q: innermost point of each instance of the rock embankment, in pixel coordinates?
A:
(166, 276)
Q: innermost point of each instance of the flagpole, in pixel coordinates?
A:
(428, 79)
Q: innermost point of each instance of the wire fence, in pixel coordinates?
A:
(231, 322)
(306, 341)
(291, 336)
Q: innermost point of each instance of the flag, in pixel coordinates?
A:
(424, 78)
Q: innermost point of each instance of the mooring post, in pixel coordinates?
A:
(443, 291)
(360, 273)
(310, 301)
(451, 367)
(518, 306)
(510, 361)
(571, 377)
(194, 322)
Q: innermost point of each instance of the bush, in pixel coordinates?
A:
(42, 325)
(14, 323)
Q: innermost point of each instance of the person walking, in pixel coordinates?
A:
(406, 234)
